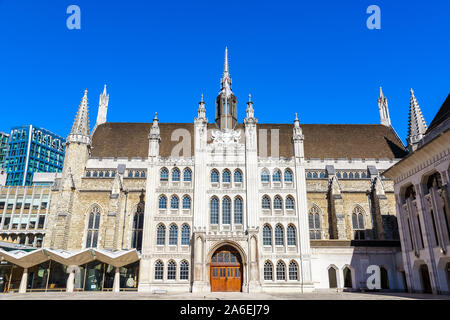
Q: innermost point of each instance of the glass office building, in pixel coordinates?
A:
(3, 148)
(30, 150)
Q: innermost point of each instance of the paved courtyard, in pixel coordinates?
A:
(219, 296)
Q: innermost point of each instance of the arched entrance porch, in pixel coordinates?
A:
(226, 269)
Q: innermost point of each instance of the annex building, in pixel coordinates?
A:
(225, 204)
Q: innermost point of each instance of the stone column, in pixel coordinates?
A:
(199, 283)
(116, 286)
(301, 208)
(70, 279)
(23, 281)
(254, 284)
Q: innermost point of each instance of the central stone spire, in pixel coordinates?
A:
(226, 102)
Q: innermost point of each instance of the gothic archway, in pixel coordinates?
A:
(226, 269)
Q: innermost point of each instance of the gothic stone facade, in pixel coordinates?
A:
(423, 201)
(297, 207)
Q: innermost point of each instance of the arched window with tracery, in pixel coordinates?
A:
(237, 176)
(358, 223)
(265, 176)
(161, 235)
(174, 202)
(93, 227)
(226, 176)
(281, 271)
(164, 175)
(226, 210)
(279, 235)
(287, 176)
(214, 176)
(276, 177)
(291, 238)
(162, 203)
(277, 203)
(290, 203)
(268, 271)
(171, 270)
(238, 210)
(187, 175)
(314, 224)
(214, 210)
(138, 227)
(267, 235)
(266, 202)
(173, 235)
(185, 235)
(184, 270)
(293, 271)
(176, 175)
(159, 270)
(186, 202)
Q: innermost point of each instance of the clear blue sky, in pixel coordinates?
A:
(316, 58)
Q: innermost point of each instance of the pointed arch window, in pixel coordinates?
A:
(268, 271)
(162, 202)
(277, 203)
(138, 227)
(214, 211)
(214, 176)
(185, 235)
(237, 176)
(267, 235)
(171, 270)
(281, 271)
(266, 202)
(159, 270)
(186, 202)
(174, 202)
(291, 238)
(164, 175)
(314, 224)
(287, 175)
(293, 271)
(176, 175)
(161, 235)
(358, 223)
(265, 177)
(238, 211)
(184, 270)
(226, 176)
(93, 228)
(187, 175)
(276, 176)
(226, 211)
(279, 235)
(289, 203)
(173, 235)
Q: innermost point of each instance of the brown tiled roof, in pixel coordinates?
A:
(321, 140)
(441, 115)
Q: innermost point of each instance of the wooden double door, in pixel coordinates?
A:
(226, 270)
